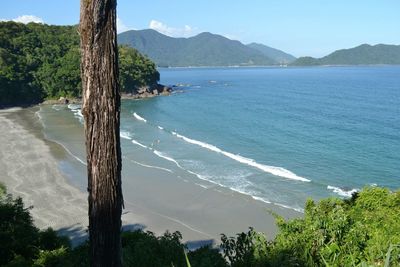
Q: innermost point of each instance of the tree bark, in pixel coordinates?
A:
(101, 110)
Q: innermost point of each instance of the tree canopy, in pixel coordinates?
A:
(39, 61)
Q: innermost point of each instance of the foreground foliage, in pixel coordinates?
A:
(361, 231)
(39, 61)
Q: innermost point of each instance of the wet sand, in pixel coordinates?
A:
(155, 199)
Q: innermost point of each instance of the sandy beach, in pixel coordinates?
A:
(155, 200)
(29, 170)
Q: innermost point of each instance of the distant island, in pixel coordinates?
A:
(204, 49)
(361, 55)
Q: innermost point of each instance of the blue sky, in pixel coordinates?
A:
(300, 27)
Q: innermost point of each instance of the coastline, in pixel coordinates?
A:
(30, 170)
(156, 201)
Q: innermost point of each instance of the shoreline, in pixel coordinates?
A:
(156, 201)
(30, 170)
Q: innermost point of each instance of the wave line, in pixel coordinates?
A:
(277, 171)
(138, 117)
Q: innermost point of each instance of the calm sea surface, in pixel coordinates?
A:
(280, 135)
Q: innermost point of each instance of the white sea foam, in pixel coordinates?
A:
(277, 171)
(78, 113)
(57, 107)
(164, 156)
(205, 187)
(138, 117)
(288, 207)
(202, 177)
(78, 159)
(139, 144)
(76, 109)
(125, 135)
(261, 199)
(74, 106)
(151, 166)
(342, 192)
(72, 154)
(159, 127)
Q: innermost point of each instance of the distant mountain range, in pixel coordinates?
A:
(205, 49)
(361, 55)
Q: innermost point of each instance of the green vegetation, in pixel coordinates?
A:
(361, 55)
(334, 232)
(135, 70)
(275, 54)
(22, 244)
(43, 61)
(205, 49)
(361, 231)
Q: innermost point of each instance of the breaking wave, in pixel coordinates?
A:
(277, 171)
(138, 117)
(342, 191)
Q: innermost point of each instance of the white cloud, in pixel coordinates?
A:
(121, 27)
(185, 31)
(25, 19)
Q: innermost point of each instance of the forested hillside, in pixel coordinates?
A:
(361, 55)
(204, 49)
(40, 61)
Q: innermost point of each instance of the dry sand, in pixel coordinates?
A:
(30, 171)
(156, 201)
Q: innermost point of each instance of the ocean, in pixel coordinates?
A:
(279, 135)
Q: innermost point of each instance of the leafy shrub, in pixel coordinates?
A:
(18, 235)
(361, 231)
(339, 232)
(145, 249)
(21, 242)
(53, 258)
(247, 249)
(206, 257)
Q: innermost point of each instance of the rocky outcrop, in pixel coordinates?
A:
(145, 92)
(63, 101)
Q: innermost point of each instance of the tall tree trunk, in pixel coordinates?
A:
(101, 110)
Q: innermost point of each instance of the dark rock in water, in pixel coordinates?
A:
(63, 100)
(148, 91)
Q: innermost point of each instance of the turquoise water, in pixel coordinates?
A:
(280, 135)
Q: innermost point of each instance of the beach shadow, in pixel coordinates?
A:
(76, 233)
(196, 244)
(133, 227)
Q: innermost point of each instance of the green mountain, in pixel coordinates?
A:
(205, 49)
(275, 54)
(361, 55)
